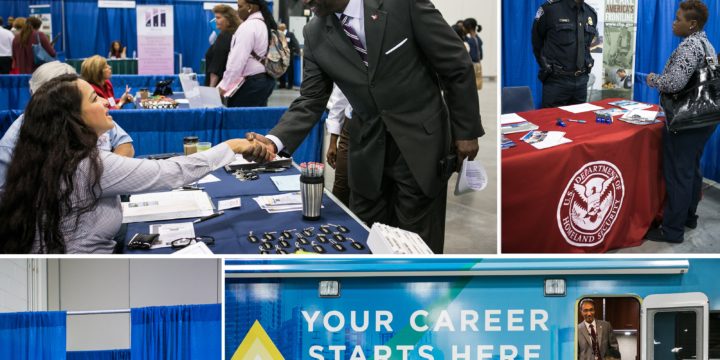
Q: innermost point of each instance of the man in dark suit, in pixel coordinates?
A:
(412, 88)
(596, 340)
(287, 80)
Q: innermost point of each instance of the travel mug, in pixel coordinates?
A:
(311, 191)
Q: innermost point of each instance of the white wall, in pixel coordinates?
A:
(486, 14)
(14, 285)
(110, 284)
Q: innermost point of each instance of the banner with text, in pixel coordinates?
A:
(456, 319)
(43, 13)
(613, 49)
(155, 39)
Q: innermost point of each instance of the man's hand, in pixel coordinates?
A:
(260, 153)
(332, 150)
(465, 149)
(221, 91)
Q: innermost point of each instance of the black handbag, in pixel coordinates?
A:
(698, 104)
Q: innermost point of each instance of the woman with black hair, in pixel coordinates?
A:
(245, 82)
(62, 194)
(476, 54)
(682, 150)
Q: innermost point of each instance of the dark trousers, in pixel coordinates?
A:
(254, 92)
(683, 180)
(341, 190)
(287, 80)
(402, 203)
(562, 90)
(5, 64)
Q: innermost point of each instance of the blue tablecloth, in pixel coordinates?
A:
(232, 229)
(15, 89)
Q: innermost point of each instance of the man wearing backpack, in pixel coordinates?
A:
(391, 59)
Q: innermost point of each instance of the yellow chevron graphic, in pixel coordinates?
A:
(257, 345)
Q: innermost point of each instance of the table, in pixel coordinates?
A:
(15, 89)
(543, 210)
(119, 66)
(162, 131)
(231, 229)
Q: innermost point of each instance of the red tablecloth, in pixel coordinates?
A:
(597, 193)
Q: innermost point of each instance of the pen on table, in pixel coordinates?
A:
(186, 187)
(576, 121)
(213, 215)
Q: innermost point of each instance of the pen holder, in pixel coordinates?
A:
(311, 191)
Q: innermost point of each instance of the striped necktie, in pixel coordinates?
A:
(354, 38)
(596, 348)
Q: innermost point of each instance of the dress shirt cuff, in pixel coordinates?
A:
(277, 142)
(217, 156)
(334, 127)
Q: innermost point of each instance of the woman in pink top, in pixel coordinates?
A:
(245, 82)
(23, 55)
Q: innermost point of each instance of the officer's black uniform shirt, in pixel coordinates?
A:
(555, 34)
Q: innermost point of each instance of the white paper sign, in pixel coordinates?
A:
(229, 204)
(472, 177)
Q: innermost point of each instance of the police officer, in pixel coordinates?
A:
(561, 36)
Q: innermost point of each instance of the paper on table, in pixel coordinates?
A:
(553, 138)
(209, 178)
(182, 101)
(198, 248)
(472, 177)
(580, 108)
(166, 206)
(169, 232)
(229, 204)
(510, 118)
(287, 183)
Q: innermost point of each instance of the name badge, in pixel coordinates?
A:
(111, 101)
(563, 20)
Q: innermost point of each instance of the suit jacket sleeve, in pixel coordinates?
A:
(448, 57)
(306, 110)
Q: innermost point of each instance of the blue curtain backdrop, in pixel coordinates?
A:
(655, 42)
(89, 30)
(176, 332)
(32, 335)
(99, 355)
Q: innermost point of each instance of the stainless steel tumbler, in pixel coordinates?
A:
(311, 191)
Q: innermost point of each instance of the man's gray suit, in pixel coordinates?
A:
(397, 106)
(607, 342)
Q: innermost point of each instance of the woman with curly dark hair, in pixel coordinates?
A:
(62, 194)
(682, 150)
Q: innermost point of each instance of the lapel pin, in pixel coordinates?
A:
(374, 17)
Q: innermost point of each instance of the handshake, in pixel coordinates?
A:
(254, 147)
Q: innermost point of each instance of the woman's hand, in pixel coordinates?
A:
(125, 98)
(252, 148)
(649, 79)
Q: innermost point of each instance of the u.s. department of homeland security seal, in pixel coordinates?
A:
(590, 204)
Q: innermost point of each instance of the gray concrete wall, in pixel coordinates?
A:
(109, 284)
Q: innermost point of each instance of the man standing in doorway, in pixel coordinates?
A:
(561, 36)
(596, 339)
(416, 114)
